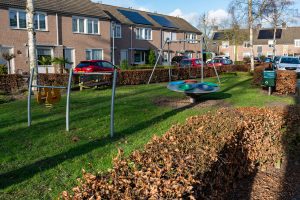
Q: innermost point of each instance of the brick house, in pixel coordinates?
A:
(287, 42)
(81, 30)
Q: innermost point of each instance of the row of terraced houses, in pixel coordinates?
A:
(81, 30)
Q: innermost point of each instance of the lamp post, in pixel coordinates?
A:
(113, 24)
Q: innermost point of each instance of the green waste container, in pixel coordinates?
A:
(269, 79)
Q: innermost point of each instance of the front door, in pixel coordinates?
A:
(124, 55)
(70, 56)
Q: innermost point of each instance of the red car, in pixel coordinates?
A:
(218, 62)
(190, 62)
(94, 66)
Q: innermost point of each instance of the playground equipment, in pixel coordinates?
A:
(51, 94)
(192, 41)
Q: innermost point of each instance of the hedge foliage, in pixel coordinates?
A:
(201, 159)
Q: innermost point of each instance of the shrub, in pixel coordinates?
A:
(201, 159)
(3, 69)
(152, 57)
(246, 59)
(124, 64)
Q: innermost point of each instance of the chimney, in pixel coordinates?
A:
(284, 25)
(259, 26)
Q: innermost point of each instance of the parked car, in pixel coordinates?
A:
(94, 66)
(176, 60)
(190, 62)
(218, 62)
(275, 62)
(222, 57)
(289, 63)
(257, 60)
(268, 60)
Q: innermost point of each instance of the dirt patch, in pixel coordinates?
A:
(184, 102)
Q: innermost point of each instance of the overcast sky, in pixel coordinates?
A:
(188, 9)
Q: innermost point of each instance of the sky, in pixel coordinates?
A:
(187, 9)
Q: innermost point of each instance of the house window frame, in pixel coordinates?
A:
(91, 55)
(141, 33)
(44, 47)
(18, 18)
(191, 36)
(116, 33)
(246, 44)
(297, 42)
(37, 14)
(270, 43)
(225, 44)
(85, 25)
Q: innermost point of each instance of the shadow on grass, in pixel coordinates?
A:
(28, 171)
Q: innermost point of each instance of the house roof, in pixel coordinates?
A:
(67, 7)
(262, 36)
(116, 15)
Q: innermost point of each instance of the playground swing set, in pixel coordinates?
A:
(191, 88)
(49, 95)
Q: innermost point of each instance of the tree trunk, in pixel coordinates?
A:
(31, 35)
(250, 21)
(274, 41)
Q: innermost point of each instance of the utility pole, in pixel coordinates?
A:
(250, 22)
(31, 35)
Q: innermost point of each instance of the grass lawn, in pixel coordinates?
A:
(42, 161)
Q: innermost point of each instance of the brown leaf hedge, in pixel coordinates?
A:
(201, 159)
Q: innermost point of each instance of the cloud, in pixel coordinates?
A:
(192, 17)
(218, 15)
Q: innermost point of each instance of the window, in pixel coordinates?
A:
(246, 55)
(170, 35)
(143, 33)
(17, 19)
(225, 44)
(191, 36)
(271, 43)
(297, 43)
(118, 31)
(247, 44)
(94, 54)
(85, 25)
(44, 55)
(139, 57)
(40, 21)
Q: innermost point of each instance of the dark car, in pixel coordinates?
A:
(190, 62)
(176, 60)
(94, 66)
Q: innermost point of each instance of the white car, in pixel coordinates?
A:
(289, 63)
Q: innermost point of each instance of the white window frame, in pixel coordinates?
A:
(246, 55)
(85, 25)
(225, 44)
(117, 35)
(270, 43)
(141, 33)
(297, 42)
(191, 36)
(38, 21)
(91, 51)
(170, 35)
(18, 18)
(246, 44)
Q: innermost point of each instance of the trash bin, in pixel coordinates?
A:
(269, 79)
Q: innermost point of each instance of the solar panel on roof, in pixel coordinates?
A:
(269, 34)
(163, 21)
(135, 17)
(219, 36)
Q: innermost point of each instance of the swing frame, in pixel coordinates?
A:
(168, 42)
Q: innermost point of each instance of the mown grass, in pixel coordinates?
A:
(42, 161)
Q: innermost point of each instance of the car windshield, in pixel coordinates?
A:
(290, 60)
(85, 64)
(217, 61)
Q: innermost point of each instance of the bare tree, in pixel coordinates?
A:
(276, 13)
(31, 34)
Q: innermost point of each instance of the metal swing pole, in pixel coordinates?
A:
(157, 60)
(29, 98)
(202, 63)
(112, 109)
(68, 100)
